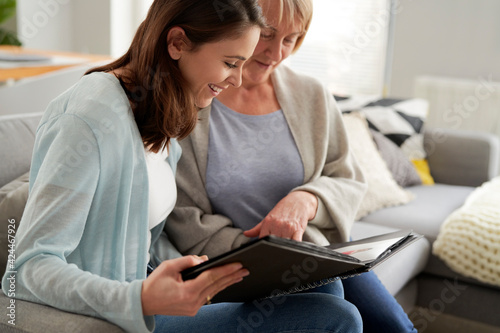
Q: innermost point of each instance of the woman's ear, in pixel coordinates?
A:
(176, 42)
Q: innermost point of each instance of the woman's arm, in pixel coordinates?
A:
(289, 218)
(337, 181)
(65, 174)
(331, 171)
(164, 292)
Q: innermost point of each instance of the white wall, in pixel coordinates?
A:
(120, 26)
(45, 24)
(126, 16)
(452, 38)
(91, 26)
(86, 26)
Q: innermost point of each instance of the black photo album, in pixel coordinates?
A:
(281, 266)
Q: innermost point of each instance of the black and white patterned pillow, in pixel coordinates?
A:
(400, 120)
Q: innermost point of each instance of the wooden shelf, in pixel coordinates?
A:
(24, 72)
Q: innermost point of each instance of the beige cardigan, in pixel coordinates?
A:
(330, 172)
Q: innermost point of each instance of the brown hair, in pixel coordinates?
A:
(162, 103)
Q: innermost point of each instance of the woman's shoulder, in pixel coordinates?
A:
(96, 98)
(294, 89)
(101, 84)
(285, 75)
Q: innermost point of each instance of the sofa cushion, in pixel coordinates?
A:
(396, 272)
(37, 318)
(17, 134)
(437, 267)
(400, 120)
(424, 172)
(426, 213)
(464, 158)
(13, 197)
(401, 168)
(383, 191)
(469, 238)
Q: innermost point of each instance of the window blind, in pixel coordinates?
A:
(347, 46)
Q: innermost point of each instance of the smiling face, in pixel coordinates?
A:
(213, 67)
(275, 45)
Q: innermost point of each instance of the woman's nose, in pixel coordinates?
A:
(236, 78)
(274, 51)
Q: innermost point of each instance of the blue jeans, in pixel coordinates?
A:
(313, 312)
(378, 308)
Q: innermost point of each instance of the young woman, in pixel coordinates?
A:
(272, 157)
(102, 182)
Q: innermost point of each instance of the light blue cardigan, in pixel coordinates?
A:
(82, 242)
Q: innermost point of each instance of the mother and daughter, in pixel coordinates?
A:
(88, 233)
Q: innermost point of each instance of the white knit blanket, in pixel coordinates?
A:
(469, 239)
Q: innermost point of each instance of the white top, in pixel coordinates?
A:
(162, 188)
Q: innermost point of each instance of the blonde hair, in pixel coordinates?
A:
(290, 10)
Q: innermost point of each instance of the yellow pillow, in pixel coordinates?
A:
(423, 171)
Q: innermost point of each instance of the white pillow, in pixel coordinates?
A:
(383, 191)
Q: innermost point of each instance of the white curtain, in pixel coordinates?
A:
(347, 46)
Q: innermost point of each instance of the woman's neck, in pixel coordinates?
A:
(251, 99)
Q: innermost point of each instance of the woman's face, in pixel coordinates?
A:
(275, 45)
(213, 67)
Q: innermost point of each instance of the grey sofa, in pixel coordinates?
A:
(459, 163)
(414, 276)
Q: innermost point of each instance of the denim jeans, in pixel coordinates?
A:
(381, 313)
(319, 311)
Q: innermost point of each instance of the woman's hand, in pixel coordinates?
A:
(289, 218)
(164, 292)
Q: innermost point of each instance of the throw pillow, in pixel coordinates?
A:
(400, 120)
(13, 197)
(401, 168)
(383, 191)
(422, 167)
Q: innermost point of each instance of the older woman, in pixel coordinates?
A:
(272, 157)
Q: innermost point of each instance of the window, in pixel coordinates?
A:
(126, 16)
(347, 46)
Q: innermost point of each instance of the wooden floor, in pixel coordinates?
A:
(449, 324)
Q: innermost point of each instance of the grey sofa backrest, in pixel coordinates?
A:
(459, 157)
(17, 137)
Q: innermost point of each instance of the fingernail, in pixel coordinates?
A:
(237, 266)
(245, 272)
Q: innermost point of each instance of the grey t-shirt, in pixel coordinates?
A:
(253, 162)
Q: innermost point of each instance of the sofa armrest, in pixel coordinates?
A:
(462, 157)
(23, 317)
